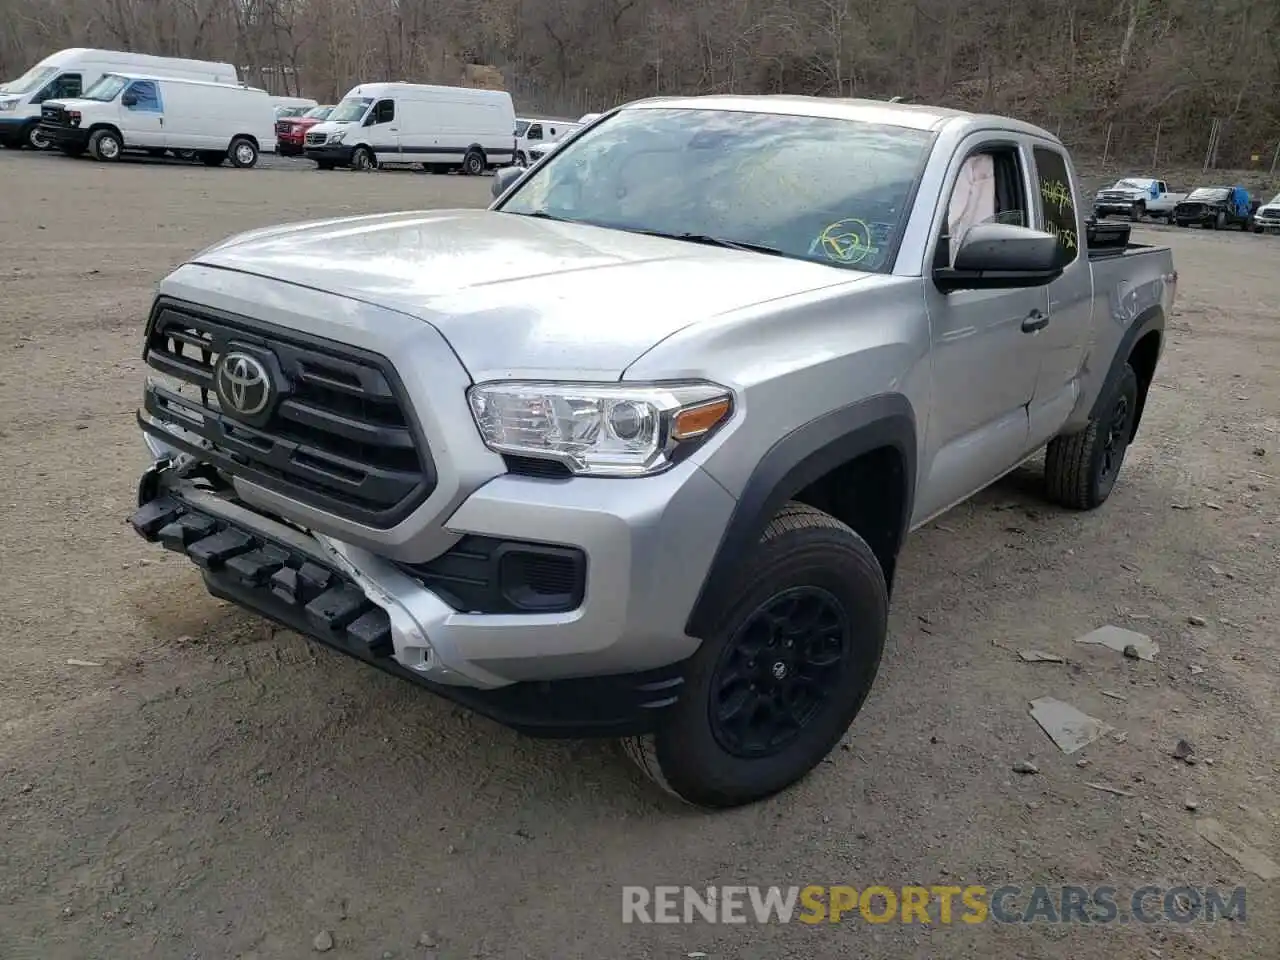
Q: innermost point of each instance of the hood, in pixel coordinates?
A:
(332, 126)
(518, 295)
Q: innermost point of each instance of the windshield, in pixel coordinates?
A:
(31, 80)
(106, 89)
(1274, 201)
(1135, 184)
(521, 127)
(350, 109)
(1209, 193)
(318, 113)
(286, 112)
(811, 188)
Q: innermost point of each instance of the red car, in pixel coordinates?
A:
(291, 132)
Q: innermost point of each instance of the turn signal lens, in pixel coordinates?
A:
(695, 421)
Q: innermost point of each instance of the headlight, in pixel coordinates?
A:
(337, 137)
(8, 104)
(597, 429)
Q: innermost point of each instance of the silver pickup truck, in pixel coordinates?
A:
(633, 452)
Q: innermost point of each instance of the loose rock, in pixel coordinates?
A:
(1191, 803)
(1196, 620)
(322, 942)
(1025, 766)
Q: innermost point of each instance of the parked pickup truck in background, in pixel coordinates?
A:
(1216, 208)
(1136, 197)
(1267, 218)
(291, 132)
(633, 452)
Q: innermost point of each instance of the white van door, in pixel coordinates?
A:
(142, 115)
(383, 131)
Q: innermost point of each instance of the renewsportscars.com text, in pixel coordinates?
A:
(938, 904)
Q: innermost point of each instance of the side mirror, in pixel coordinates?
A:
(129, 100)
(995, 256)
(503, 178)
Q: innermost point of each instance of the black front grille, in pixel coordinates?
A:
(486, 575)
(339, 436)
(316, 139)
(51, 113)
(282, 126)
(1189, 210)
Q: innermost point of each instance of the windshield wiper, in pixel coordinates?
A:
(707, 240)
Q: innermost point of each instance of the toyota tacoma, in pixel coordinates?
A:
(633, 452)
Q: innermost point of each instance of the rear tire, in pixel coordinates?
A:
(473, 164)
(777, 683)
(105, 145)
(243, 153)
(1081, 469)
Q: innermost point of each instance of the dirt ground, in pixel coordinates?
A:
(208, 786)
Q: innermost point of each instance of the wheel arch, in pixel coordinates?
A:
(1140, 347)
(868, 445)
(245, 136)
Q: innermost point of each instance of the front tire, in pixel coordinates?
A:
(777, 683)
(362, 159)
(1081, 469)
(105, 145)
(1137, 211)
(35, 139)
(243, 153)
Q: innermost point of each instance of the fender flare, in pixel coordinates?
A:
(793, 463)
(1151, 319)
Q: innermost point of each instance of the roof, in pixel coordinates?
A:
(133, 75)
(912, 115)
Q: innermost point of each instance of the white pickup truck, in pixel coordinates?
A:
(1137, 197)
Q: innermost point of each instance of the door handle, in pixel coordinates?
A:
(1035, 320)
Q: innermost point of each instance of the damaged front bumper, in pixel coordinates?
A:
(366, 607)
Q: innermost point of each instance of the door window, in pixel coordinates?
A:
(1057, 202)
(61, 88)
(143, 97)
(384, 112)
(534, 132)
(989, 189)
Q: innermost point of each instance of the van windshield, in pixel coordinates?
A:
(521, 127)
(825, 189)
(351, 109)
(107, 88)
(31, 80)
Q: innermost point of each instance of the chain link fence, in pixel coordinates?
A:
(1157, 146)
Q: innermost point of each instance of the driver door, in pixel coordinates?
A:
(985, 353)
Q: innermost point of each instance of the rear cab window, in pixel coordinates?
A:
(1057, 202)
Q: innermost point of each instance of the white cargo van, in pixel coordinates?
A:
(535, 134)
(441, 128)
(129, 112)
(68, 73)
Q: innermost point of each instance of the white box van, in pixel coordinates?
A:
(441, 128)
(68, 73)
(534, 134)
(217, 121)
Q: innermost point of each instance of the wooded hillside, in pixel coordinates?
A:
(1145, 69)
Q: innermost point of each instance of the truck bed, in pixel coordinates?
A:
(1106, 239)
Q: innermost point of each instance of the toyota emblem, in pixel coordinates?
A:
(243, 384)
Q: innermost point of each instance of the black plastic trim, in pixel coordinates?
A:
(489, 575)
(273, 579)
(793, 463)
(1150, 319)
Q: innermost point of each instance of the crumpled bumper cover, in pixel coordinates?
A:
(296, 588)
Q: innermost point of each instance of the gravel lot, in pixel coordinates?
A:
(210, 786)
